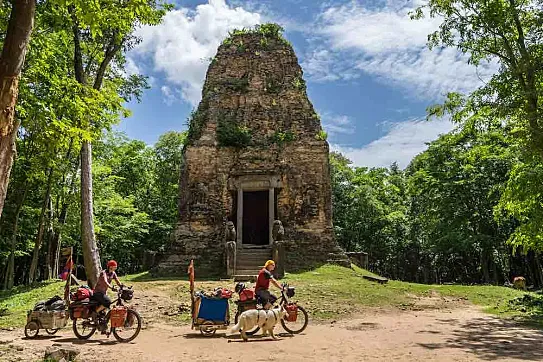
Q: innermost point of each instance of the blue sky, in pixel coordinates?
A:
(368, 72)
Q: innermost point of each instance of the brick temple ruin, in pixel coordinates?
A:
(255, 183)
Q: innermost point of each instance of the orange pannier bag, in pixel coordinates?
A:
(292, 310)
(118, 316)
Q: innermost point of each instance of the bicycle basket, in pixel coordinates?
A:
(290, 292)
(127, 294)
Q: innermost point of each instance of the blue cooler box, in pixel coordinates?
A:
(213, 309)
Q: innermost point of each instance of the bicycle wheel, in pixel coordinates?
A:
(249, 333)
(300, 324)
(83, 328)
(131, 328)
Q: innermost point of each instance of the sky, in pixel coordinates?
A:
(369, 73)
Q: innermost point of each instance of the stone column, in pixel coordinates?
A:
(271, 212)
(239, 225)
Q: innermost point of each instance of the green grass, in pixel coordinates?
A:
(328, 292)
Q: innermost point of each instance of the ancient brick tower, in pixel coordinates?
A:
(256, 154)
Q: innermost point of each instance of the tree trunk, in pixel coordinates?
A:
(41, 229)
(20, 26)
(91, 256)
(49, 233)
(10, 274)
(539, 271)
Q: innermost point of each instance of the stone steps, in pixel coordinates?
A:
(250, 261)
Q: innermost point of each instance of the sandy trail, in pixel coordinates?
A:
(463, 334)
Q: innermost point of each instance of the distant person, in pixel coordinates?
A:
(263, 284)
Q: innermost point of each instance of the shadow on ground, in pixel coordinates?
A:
(493, 338)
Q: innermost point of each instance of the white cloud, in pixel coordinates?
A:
(384, 42)
(182, 45)
(404, 141)
(337, 124)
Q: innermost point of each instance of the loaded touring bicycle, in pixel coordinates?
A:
(210, 311)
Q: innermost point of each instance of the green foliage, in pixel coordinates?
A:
(238, 84)
(322, 135)
(281, 138)
(299, 83)
(508, 33)
(267, 31)
(230, 134)
(196, 121)
(273, 85)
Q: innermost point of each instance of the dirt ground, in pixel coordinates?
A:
(460, 334)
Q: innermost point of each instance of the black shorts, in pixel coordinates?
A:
(101, 298)
(266, 296)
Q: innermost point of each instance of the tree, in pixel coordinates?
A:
(509, 33)
(20, 26)
(454, 186)
(102, 31)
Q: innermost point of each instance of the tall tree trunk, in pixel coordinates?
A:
(49, 233)
(91, 256)
(20, 26)
(10, 274)
(41, 229)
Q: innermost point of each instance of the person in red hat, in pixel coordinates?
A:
(103, 284)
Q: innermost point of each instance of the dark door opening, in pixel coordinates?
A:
(256, 221)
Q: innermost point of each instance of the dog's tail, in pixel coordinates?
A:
(237, 327)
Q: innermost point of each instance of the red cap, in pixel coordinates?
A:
(111, 263)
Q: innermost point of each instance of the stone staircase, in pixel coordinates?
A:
(249, 261)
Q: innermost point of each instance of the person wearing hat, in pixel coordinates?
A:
(102, 285)
(263, 284)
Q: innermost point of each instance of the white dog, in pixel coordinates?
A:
(265, 319)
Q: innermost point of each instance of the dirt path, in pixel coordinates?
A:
(464, 334)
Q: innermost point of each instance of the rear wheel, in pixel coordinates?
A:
(83, 328)
(301, 322)
(131, 328)
(249, 333)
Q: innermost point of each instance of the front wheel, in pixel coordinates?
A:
(249, 333)
(83, 328)
(131, 328)
(31, 330)
(301, 322)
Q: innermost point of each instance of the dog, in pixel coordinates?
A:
(265, 319)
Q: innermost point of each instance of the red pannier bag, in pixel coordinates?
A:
(118, 316)
(247, 294)
(292, 310)
(79, 312)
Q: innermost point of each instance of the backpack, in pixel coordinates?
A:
(82, 293)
